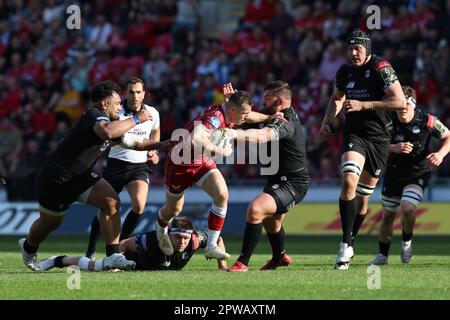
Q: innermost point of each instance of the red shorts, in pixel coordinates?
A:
(180, 177)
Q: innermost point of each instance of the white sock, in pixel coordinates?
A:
(213, 237)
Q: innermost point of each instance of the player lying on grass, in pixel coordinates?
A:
(144, 251)
(67, 175)
(408, 171)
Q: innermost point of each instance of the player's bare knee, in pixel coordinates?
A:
(138, 208)
(111, 205)
(349, 183)
(407, 208)
(221, 198)
(254, 212)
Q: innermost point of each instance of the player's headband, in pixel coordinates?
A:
(411, 100)
(181, 231)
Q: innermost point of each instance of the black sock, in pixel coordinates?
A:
(277, 243)
(359, 219)
(384, 248)
(130, 223)
(29, 248)
(406, 236)
(111, 249)
(58, 261)
(348, 210)
(251, 239)
(93, 236)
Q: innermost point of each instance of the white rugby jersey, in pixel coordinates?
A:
(142, 130)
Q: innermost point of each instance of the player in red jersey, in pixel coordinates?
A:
(189, 162)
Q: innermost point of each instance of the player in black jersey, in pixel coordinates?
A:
(407, 172)
(367, 88)
(145, 252)
(285, 188)
(127, 167)
(67, 175)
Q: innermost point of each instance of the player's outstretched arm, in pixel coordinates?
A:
(148, 144)
(334, 107)
(115, 129)
(254, 135)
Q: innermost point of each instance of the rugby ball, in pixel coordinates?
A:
(220, 138)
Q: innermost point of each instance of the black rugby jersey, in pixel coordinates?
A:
(80, 148)
(292, 154)
(150, 256)
(367, 83)
(418, 132)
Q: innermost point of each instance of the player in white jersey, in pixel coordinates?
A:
(127, 167)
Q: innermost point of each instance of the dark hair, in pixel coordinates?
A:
(182, 223)
(409, 92)
(279, 88)
(239, 98)
(134, 80)
(103, 90)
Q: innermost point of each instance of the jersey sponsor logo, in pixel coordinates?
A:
(350, 145)
(215, 122)
(377, 173)
(382, 64)
(94, 175)
(350, 85)
(275, 186)
(415, 129)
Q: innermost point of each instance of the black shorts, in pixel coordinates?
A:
(375, 153)
(56, 189)
(119, 173)
(287, 191)
(396, 180)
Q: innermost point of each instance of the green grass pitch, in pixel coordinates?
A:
(310, 277)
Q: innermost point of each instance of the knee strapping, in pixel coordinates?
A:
(364, 190)
(412, 195)
(351, 167)
(390, 204)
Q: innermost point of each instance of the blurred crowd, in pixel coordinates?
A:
(46, 69)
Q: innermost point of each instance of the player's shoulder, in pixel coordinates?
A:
(94, 114)
(151, 109)
(215, 116)
(424, 118)
(379, 63)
